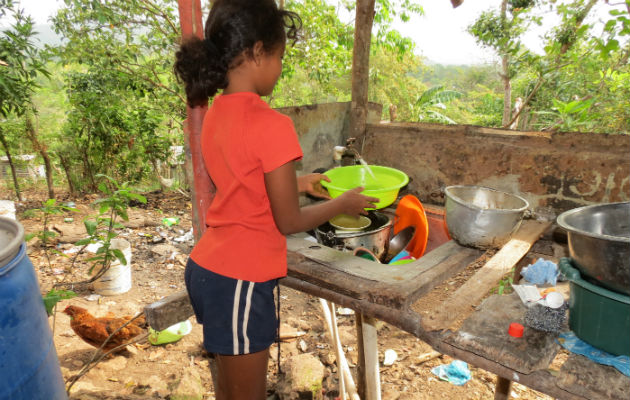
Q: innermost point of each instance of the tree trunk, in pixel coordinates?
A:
(13, 172)
(65, 164)
(364, 19)
(31, 132)
(507, 91)
(505, 73)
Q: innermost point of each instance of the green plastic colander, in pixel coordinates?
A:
(384, 185)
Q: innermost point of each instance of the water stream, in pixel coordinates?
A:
(367, 167)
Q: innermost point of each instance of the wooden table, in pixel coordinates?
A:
(388, 294)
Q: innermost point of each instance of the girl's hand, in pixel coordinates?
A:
(355, 203)
(310, 184)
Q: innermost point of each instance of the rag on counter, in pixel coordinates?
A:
(541, 272)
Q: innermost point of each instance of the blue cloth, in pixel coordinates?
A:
(456, 372)
(569, 341)
(541, 272)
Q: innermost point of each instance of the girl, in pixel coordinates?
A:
(248, 150)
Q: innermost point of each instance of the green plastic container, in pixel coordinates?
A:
(384, 185)
(598, 316)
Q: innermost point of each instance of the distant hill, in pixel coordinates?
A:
(46, 36)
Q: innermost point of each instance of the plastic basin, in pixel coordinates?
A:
(384, 186)
(598, 316)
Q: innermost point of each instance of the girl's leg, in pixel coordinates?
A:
(242, 377)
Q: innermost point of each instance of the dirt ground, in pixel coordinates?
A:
(158, 260)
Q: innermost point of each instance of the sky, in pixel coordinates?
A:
(440, 35)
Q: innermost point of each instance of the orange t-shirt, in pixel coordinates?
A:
(242, 139)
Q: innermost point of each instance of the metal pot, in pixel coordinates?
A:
(374, 238)
(599, 242)
(482, 217)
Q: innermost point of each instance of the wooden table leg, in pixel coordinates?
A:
(502, 389)
(360, 356)
(370, 354)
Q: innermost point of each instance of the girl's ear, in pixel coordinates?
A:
(258, 51)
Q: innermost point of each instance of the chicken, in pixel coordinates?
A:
(95, 331)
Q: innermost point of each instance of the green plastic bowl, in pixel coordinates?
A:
(171, 334)
(385, 187)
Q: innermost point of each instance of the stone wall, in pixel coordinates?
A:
(553, 171)
(320, 128)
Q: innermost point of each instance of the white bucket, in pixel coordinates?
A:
(7, 209)
(117, 279)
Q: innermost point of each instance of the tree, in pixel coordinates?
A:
(124, 95)
(563, 38)
(318, 67)
(23, 62)
(502, 31)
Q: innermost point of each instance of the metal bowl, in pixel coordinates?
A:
(599, 242)
(398, 243)
(482, 217)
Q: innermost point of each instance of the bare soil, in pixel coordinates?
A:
(146, 371)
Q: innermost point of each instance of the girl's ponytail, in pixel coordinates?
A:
(198, 64)
(232, 29)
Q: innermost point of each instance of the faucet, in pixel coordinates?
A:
(346, 155)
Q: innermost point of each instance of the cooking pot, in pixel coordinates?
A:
(374, 238)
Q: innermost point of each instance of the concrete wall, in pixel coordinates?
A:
(553, 171)
(320, 128)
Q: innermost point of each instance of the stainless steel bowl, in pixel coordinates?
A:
(482, 217)
(599, 242)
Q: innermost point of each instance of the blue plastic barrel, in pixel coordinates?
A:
(29, 367)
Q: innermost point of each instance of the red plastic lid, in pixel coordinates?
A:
(516, 329)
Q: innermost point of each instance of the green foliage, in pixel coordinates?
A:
(102, 227)
(431, 103)
(112, 128)
(24, 62)
(505, 284)
(570, 115)
(48, 209)
(54, 296)
(616, 28)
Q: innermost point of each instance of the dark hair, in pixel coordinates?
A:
(232, 27)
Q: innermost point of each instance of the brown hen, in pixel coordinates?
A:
(95, 331)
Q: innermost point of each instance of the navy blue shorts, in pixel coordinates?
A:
(238, 316)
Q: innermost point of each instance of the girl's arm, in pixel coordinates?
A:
(282, 190)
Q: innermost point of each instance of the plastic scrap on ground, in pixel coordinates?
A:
(170, 221)
(390, 357)
(456, 372)
(569, 341)
(541, 272)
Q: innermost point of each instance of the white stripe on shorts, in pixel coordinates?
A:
(237, 298)
(248, 304)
